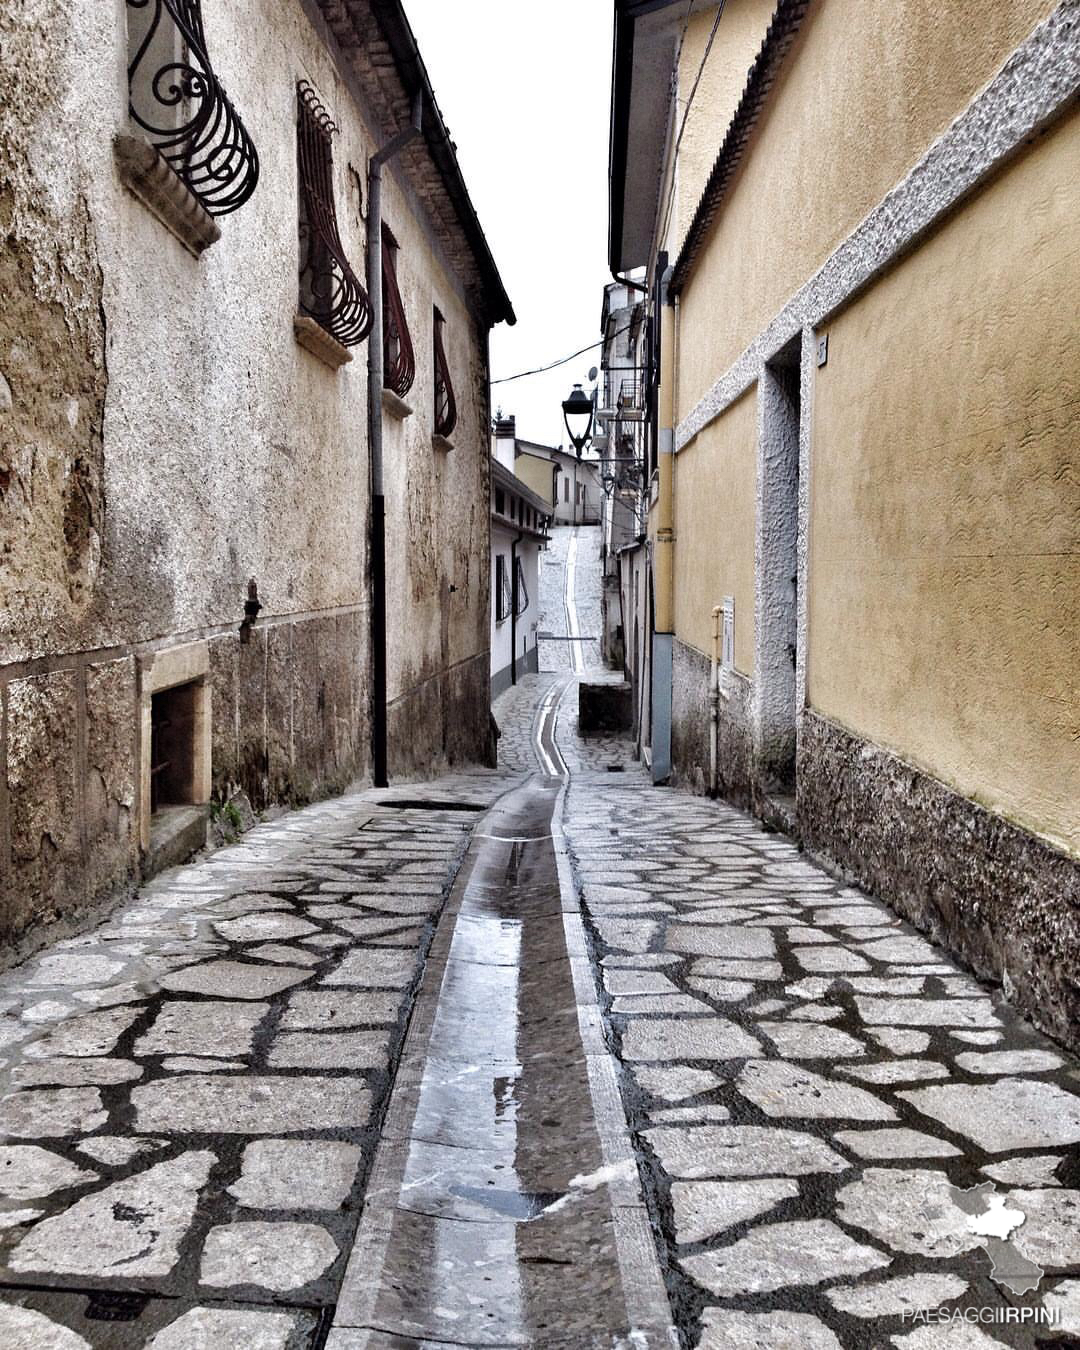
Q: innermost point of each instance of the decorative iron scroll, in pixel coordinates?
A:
(399, 361)
(177, 100)
(445, 404)
(330, 291)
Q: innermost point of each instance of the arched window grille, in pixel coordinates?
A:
(445, 404)
(502, 589)
(177, 100)
(330, 291)
(521, 591)
(399, 361)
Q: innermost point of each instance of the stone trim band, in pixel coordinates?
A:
(1036, 84)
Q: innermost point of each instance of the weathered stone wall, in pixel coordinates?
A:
(291, 718)
(163, 438)
(690, 722)
(1005, 902)
(446, 719)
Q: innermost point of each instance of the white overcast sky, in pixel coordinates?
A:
(524, 90)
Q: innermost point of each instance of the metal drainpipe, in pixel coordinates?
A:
(513, 605)
(714, 703)
(375, 388)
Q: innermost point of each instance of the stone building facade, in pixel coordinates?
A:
(185, 506)
(864, 524)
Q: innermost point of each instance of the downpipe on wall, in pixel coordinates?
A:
(375, 414)
(513, 605)
(714, 701)
(664, 545)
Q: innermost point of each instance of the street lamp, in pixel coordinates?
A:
(578, 412)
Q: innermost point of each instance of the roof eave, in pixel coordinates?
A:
(392, 20)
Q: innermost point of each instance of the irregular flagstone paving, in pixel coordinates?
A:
(813, 1126)
(838, 1130)
(190, 1094)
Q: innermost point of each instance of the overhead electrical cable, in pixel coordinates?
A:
(539, 370)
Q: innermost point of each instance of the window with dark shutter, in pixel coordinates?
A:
(399, 362)
(445, 405)
(177, 101)
(330, 291)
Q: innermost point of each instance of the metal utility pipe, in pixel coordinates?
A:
(665, 506)
(714, 702)
(375, 413)
(625, 281)
(513, 605)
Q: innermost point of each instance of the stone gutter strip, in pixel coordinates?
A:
(1036, 84)
(639, 1266)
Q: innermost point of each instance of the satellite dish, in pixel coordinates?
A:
(592, 372)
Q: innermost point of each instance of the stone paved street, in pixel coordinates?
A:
(557, 1042)
(191, 1093)
(813, 1086)
(558, 655)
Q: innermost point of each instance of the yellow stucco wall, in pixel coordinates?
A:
(538, 474)
(715, 481)
(738, 39)
(869, 85)
(945, 537)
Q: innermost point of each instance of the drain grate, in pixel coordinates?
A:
(424, 804)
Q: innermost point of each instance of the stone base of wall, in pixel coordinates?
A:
(291, 721)
(1004, 902)
(289, 724)
(443, 721)
(501, 680)
(690, 673)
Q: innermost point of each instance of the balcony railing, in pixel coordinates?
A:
(178, 102)
(630, 403)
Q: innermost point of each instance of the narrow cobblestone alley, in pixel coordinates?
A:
(537, 1056)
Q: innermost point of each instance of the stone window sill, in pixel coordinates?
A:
(441, 442)
(396, 407)
(145, 174)
(314, 337)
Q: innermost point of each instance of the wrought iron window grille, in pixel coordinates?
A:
(176, 99)
(399, 360)
(502, 589)
(521, 591)
(330, 291)
(445, 403)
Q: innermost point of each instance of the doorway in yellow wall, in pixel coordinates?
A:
(776, 570)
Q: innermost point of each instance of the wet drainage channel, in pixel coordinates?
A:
(503, 1207)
